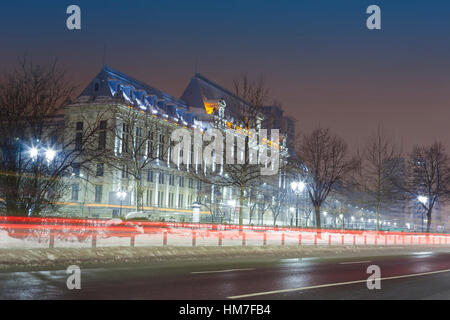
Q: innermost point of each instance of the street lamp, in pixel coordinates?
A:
(298, 188)
(341, 216)
(423, 200)
(50, 154)
(33, 152)
(121, 195)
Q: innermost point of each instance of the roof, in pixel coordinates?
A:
(110, 84)
(200, 89)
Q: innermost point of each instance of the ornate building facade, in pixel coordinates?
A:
(135, 123)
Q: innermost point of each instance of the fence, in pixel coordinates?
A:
(18, 232)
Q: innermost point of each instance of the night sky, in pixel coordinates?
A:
(317, 56)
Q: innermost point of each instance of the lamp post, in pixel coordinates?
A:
(121, 195)
(232, 204)
(423, 200)
(291, 210)
(50, 154)
(297, 187)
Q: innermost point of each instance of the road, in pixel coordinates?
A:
(419, 275)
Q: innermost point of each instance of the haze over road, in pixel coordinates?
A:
(419, 275)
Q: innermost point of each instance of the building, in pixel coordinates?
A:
(129, 112)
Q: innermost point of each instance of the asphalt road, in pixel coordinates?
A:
(421, 275)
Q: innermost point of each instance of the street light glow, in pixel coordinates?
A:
(121, 195)
(422, 199)
(33, 152)
(298, 186)
(50, 154)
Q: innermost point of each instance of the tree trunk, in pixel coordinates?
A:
(428, 220)
(138, 195)
(317, 211)
(378, 217)
(318, 226)
(241, 207)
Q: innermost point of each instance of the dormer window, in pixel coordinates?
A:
(96, 85)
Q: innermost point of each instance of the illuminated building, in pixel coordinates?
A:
(167, 191)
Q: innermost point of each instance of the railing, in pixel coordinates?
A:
(21, 232)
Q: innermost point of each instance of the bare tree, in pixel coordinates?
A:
(245, 113)
(278, 203)
(211, 197)
(380, 161)
(140, 142)
(427, 178)
(37, 157)
(322, 160)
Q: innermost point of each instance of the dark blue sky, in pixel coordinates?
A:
(317, 56)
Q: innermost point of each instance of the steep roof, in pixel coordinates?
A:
(200, 89)
(110, 84)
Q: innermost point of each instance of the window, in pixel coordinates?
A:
(161, 147)
(102, 140)
(160, 198)
(180, 200)
(98, 193)
(139, 142)
(171, 199)
(171, 180)
(161, 178)
(149, 197)
(150, 146)
(125, 138)
(76, 169)
(79, 126)
(199, 185)
(75, 187)
(78, 140)
(100, 169)
(103, 124)
(96, 85)
(150, 175)
(181, 182)
(124, 172)
(191, 183)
